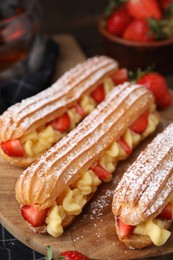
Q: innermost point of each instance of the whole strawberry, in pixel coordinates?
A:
(157, 84)
(67, 255)
(118, 21)
(138, 30)
(72, 255)
(144, 9)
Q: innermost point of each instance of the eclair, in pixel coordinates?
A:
(55, 188)
(143, 200)
(31, 127)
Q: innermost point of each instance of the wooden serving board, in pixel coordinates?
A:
(93, 232)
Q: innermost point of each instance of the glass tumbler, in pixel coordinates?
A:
(21, 40)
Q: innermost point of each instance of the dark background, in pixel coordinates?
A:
(78, 18)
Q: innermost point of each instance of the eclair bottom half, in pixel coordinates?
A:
(143, 201)
(75, 196)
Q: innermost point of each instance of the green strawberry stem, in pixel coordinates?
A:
(169, 11)
(49, 253)
(135, 76)
(113, 4)
(162, 29)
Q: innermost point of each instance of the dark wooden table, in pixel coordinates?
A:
(79, 18)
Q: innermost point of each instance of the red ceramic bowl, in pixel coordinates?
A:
(134, 55)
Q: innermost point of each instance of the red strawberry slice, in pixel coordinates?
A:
(98, 94)
(80, 110)
(13, 148)
(141, 123)
(34, 216)
(166, 213)
(125, 146)
(72, 255)
(118, 21)
(61, 123)
(157, 84)
(124, 229)
(102, 173)
(144, 9)
(120, 76)
(138, 31)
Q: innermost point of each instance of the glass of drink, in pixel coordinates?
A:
(20, 34)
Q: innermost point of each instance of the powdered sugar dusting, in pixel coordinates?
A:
(89, 139)
(66, 90)
(149, 180)
(90, 124)
(98, 206)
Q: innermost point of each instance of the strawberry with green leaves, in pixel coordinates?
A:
(72, 255)
(67, 255)
(139, 20)
(157, 84)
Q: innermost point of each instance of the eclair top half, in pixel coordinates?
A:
(47, 105)
(45, 180)
(145, 187)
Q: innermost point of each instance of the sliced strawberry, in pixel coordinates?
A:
(80, 110)
(34, 216)
(124, 229)
(166, 213)
(120, 76)
(144, 9)
(141, 123)
(13, 148)
(61, 123)
(125, 146)
(102, 173)
(98, 94)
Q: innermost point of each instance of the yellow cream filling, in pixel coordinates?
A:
(155, 230)
(72, 203)
(75, 197)
(116, 153)
(42, 139)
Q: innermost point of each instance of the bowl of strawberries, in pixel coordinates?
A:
(139, 33)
